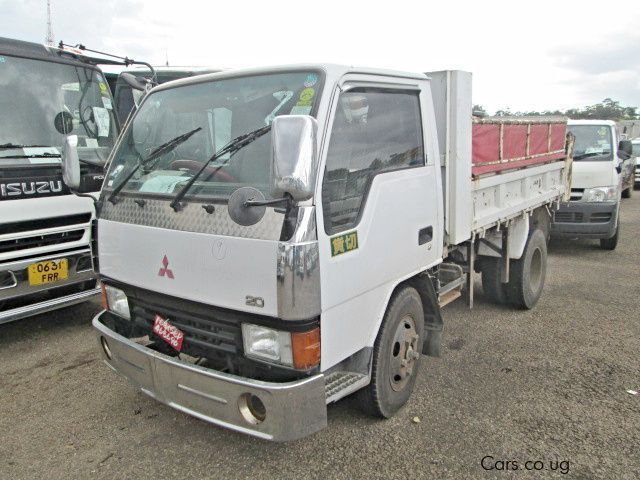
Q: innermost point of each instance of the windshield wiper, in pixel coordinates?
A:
(232, 147)
(157, 152)
(39, 155)
(590, 154)
(13, 145)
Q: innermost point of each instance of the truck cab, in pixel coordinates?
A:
(271, 240)
(45, 230)
(599, 161)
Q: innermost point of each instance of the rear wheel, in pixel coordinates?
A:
(527, 274)
(610, 243)
(396, 356)
(492, 287)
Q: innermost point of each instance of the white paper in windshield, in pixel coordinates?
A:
(28, 151)
(101, 115)
(106, 101)
(92, 142)
(162, 184)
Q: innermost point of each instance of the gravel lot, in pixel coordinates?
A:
(547, 385)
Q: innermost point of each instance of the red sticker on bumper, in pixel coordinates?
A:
(168, 332)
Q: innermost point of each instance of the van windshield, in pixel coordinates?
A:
(222, 110)
(42, 102)
(593, 143)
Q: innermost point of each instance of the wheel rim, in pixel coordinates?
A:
(535, 271)
(404, 353)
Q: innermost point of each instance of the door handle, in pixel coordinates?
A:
(425, 235)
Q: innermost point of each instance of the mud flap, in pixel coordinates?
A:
(433, 323)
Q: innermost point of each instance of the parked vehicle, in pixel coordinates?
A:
(272, 240)
(636, 153)
(45, 231)
(126, 97)
(602, 173)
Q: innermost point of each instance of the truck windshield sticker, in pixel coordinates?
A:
(311, 80)
(344, 243)
(101, 116)
(306, 97)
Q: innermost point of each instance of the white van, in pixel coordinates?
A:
(596, 186)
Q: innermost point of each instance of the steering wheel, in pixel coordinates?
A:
(195, 166)
(85, 119)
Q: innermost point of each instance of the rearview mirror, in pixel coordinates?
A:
(625, 149)
(137, 83)
(294, 161)
(71, 163)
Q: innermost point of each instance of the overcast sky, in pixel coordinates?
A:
(524, 55)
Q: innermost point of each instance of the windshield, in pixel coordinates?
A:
(222, 110)
(42, 102)
(593, 142)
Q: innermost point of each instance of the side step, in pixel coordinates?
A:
(451, 278)
(340, 384)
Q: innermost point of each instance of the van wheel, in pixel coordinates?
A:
(493, 288)
(611, 243)
(627, 193)
(527, 274)
(396, 356)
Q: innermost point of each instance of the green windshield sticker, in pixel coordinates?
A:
(306, 97)
(344, 243)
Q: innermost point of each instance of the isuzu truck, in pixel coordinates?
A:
(272, 240)
(45, 232)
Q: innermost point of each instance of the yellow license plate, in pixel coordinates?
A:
(50, 271)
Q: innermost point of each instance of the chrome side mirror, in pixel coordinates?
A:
(294, 162)
(71, 163)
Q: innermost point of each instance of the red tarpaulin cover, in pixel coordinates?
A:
(546, 144)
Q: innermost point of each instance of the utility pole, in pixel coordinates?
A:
(49, 38)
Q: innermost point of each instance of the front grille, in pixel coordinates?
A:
(568, 217)
(576, 193)
(203, 336)
(42, 223)
(600, 217)
(41, 240)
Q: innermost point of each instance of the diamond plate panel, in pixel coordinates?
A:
(192, 218)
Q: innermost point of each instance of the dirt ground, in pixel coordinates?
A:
(545, 389)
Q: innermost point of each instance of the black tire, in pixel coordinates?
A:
(389, 390)
(527, 274)
(610, 243)
(627, 193)
(493, 288)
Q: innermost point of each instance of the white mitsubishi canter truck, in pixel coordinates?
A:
(272, 240)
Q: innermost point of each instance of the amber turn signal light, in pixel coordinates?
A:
(306, 349)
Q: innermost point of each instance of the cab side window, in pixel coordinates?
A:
(374, 131)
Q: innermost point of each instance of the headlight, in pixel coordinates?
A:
(600, 194)
(267, 344)
(300, 350)
(115, 301)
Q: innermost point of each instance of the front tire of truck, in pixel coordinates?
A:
(611, 243)
(527, 274)
(396, 356)
(627, 193)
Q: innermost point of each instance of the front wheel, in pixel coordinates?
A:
(396, 356)
(627, 193)
(610, 243)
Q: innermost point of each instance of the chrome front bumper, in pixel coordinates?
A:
(293, 409)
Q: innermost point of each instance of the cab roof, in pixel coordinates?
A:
(332, 73)
(609, 123)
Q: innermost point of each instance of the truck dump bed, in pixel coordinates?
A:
(505, 143)
(494, 169)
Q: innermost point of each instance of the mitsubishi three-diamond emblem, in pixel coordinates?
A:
(165, 270)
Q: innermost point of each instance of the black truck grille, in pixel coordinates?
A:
(202, 335)
(41, 241)
(568, 217)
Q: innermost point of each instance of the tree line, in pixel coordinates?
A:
(608, 109)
